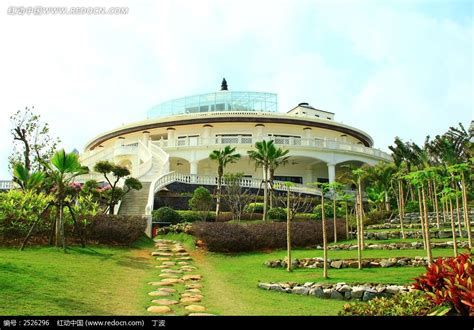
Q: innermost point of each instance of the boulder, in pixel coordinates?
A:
(303, 290)
(369, 294)
(337, 264)
(357, 292)
(195, 308)
(317, 292)
(336, 295)
(164, 302)
(159, 309)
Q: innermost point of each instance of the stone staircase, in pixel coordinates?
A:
(154, 172)
(134, 203)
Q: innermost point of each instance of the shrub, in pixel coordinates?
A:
(449, 281)
(115, 229)
(277, 213)
(166, 214)
(201, 201)
(408, 304)
(229, 237)
(183, 227)
(328, 209)
(375, 217)
(19, 209)
(192, 216)
(254, 208)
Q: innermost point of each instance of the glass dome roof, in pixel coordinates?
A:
(217, 101)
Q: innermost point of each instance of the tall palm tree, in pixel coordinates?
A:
(278, 157)
(222, 157)
(268, 157)
(64, 167)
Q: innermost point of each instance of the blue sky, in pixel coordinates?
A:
(388, 67)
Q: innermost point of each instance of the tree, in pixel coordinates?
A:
(222, 157)
(115, 193)
(325, 188)
(277, 158)
(268, 157)
(27, 180)
(32, 144)
(236, 197)
(62, 169)
(201, 202)
(336, 190)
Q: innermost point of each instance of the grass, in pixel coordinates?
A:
(230, 280)
(89, 281)
(397, 240)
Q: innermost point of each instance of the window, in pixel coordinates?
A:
(234, 138)
(294, 179)
(322, 180)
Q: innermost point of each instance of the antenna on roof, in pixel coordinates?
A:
(224, 85)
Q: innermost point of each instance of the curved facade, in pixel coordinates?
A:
(174, 143)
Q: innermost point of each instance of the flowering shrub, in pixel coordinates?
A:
(449, 280)
(408, 304)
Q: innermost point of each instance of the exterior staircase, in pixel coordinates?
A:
(134, 202)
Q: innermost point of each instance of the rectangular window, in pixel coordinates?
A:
(294, 179)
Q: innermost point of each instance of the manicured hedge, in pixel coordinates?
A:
(115, 229)
(277, 213)
(228, 237)
(166, 214)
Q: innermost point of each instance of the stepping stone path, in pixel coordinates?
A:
(180, 292)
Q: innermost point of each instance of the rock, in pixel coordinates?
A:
(168, 275)
(195, 308)
(347, 295)
(159, 309)
(184, 258)
(444, 234)
(374, 264)
(318, 292)
(353, 247)
(337, 264)
(193, 290)
(386, 263)
(200, 314)
(167, 290)
(159, 293)
(392, 289)
(171, 271)
(300, 290)
(172, 280)
(357, 292)
(186, 300)
(191, 295)
(183, 263)
(163, 259)
(336, 295)
(193, 286)
(155, 283)
(327, 293)
(369, 294)
(192, 277)
(265, 286)
(169, 263)
(345, 288)
(401, 262)
(163, 254)
(308, 284)
(163, 266)
(165, 302)
(353, 264)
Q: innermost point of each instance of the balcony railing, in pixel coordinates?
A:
(319, 143)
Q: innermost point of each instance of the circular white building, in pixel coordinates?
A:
(174, 142)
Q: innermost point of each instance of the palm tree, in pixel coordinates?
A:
(278, 157)
(64, 167)
(222, 157)
(268, 157)
(25, 179)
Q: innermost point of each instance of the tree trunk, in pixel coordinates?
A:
(61, 221)
(467, 221)
(265, 193)
(422, 221)
(347, 221)
(334, 218)
(435, 193)
(401, 210)
(453, 229)
(33, 227)
(325, 240)
(54, 220)
(218, 197)
(443, 203)
(361, 217)
(78, 229)
(288, 229)
(458, 216)
(427, 226)
(359, 240)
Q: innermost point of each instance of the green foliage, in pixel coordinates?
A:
(376, 216)
(450, 281)
(277, 213)
(229, 237)
(201, 200)
(183, 227)
(18, 209)
(192, 216)
(254, 208)
(25, 179)
(166, 214)
(328, 210)
(408, 304)
(115, 229)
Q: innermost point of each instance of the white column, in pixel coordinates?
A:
(206, 135)
(307, 136)
(331, 172)
(193, 166)
(171, 137)
(259, 133)
(146, 138)
(308, 174)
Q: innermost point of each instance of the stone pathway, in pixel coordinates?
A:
(177, 285)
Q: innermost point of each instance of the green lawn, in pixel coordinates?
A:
(231, 280)
(397, 240)
(90, 281)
